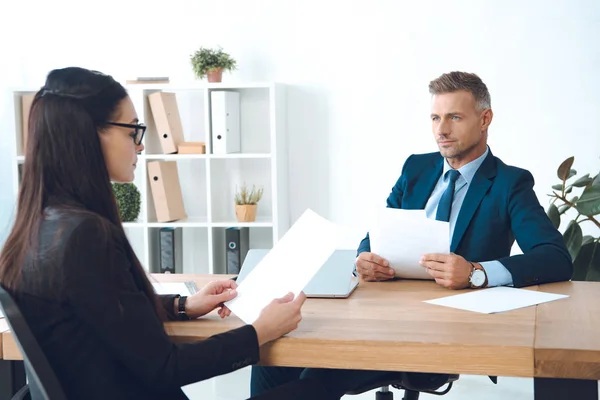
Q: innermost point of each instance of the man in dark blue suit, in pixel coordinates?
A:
(487, 203)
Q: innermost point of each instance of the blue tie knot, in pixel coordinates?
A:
(453, 174)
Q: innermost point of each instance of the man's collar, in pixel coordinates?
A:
(468, 171)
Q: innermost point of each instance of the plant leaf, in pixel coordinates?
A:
(581, 265)
(563, 208)
(589, 202)
(596, 180)
(573, 238)
(569, 190)
(574, 200)
(572, 173)
(557, 187)
(583, 181)
(554, 215)
(587, 239)
(565, 169)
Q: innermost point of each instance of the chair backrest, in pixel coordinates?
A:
(41, 377)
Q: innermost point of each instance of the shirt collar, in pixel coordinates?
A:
(468, 171)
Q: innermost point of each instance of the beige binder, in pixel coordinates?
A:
(192, 148)
(26, 101)
(166, 191)
(167, 120)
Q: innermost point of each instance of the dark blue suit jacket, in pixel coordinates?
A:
(499, 207)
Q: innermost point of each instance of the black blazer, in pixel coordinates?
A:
(100, 331)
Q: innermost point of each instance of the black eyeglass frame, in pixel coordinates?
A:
(137, 127)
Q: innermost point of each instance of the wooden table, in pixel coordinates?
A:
(567, 342)
(386, 326)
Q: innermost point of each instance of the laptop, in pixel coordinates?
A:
(334, 279)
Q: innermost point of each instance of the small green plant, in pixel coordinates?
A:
(245, 197)
(205, 60)
(128, 201)
(584, 250)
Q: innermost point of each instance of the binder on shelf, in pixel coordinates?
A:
(171, 251)
(26, 101)
(166, 191)
(167, 120)
(225, 122)
(192, 148)
(237, 243)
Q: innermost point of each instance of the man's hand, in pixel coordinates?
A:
(449, 270)
(371, 267)
(211, 296)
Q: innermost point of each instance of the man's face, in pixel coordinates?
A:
(459, 129)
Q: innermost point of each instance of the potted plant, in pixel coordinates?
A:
(211, 63)
(246, 203)
(584, 250)
(128, 200)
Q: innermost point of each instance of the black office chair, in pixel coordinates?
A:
(43, 383)
(412, 383)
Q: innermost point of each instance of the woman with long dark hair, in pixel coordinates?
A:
(75, 276)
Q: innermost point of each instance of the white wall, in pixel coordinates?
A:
(358, 71)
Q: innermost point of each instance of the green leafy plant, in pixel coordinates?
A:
(205, 60)
(128, 201)
(245, 197)
(584, 250)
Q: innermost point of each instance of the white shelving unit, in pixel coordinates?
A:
(208, 181)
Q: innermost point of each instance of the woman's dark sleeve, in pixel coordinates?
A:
(168, 303)
(101, 289)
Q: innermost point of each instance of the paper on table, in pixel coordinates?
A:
(403, 236)
(497, 299)
(182, 288)
(288, 267)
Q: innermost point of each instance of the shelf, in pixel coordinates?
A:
(133, 225)
(176, 157)
(173, 157)
(235, 224)
(208, 182)
(191, 222)
(240, 155)
(202, 86)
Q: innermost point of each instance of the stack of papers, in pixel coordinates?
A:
(182, 288)
(403, 236)
(288, 267)
(497, 299)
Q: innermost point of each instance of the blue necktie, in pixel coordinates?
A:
(445, 205)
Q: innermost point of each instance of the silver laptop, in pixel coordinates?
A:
(334, 279)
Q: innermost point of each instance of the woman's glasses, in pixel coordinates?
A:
(140, 129)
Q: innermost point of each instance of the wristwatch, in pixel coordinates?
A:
(478, 277)
(181, 308)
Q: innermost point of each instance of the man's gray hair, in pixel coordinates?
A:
(455, 81)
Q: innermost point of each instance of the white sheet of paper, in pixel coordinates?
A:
(288, 267)
(181, 288)
(497, 299)
(403, 236)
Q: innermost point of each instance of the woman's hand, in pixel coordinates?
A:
(211, 296)
(279, 317)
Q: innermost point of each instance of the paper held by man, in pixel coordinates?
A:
(403, 236)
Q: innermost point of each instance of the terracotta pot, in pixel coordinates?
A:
(215, 75)
(246, 212)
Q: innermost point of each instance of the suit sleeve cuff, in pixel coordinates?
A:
(497, 273)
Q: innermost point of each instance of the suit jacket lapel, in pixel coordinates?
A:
(427, 182)
(477, 190)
